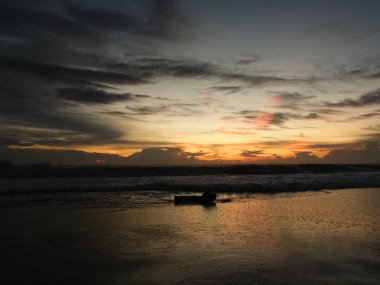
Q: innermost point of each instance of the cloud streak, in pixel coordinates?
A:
(225, 89)
(368, 99)
(176, 109)
(96, 96)
(289, 100)
(252, 153)
(263, 120)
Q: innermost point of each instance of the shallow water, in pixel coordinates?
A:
(329, 237)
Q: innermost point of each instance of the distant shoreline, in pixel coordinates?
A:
(10, 170)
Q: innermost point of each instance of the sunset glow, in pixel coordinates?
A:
(203, 81)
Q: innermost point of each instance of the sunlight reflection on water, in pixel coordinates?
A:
(329, 237)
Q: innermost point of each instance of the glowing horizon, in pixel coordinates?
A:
(247, 82)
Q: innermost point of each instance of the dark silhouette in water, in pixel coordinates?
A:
(207, 198)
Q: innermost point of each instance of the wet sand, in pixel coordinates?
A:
(327, 237)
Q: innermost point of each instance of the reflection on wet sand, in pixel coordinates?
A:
(304, 238)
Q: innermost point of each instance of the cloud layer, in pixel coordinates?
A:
(123, 76)
(58, 54)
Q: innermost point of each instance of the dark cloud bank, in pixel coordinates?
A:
(369, 99)
(369, 154)
(149, 156)
(56, 55)
(175, 161)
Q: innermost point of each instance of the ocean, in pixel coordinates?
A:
(292, 228)
(121, 191)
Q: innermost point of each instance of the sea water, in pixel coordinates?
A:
(312, 237)
(149, 190)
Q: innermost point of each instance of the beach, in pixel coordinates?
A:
(311, 237)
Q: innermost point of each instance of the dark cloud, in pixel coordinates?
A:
(58, 157)
(363, 68)
(354, 153)
(146, 110)
(268, 119)
(36, 96)
(176, 109)
(328, 145)
(260, 79)
(54, 54)
(225, 89)
(5, 141)
(374, 75)
(67, 74)
(328, 111)
(289, 100)
(147, 69)
(311, 116)
(60, 130)
(373, 137)
(373, 128)
(244, 115)
(280, 118)
(149, 156)
(368, 99)
(124, 115)
(165, 156)
(301, 157)
(252, 153)
(367, 115)
(369, 154)
(158, 19)
(363, 151)
(249, 60)
(95, 96)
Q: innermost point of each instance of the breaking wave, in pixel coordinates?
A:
(271, 183)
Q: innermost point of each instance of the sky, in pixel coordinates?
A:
(189, 82)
